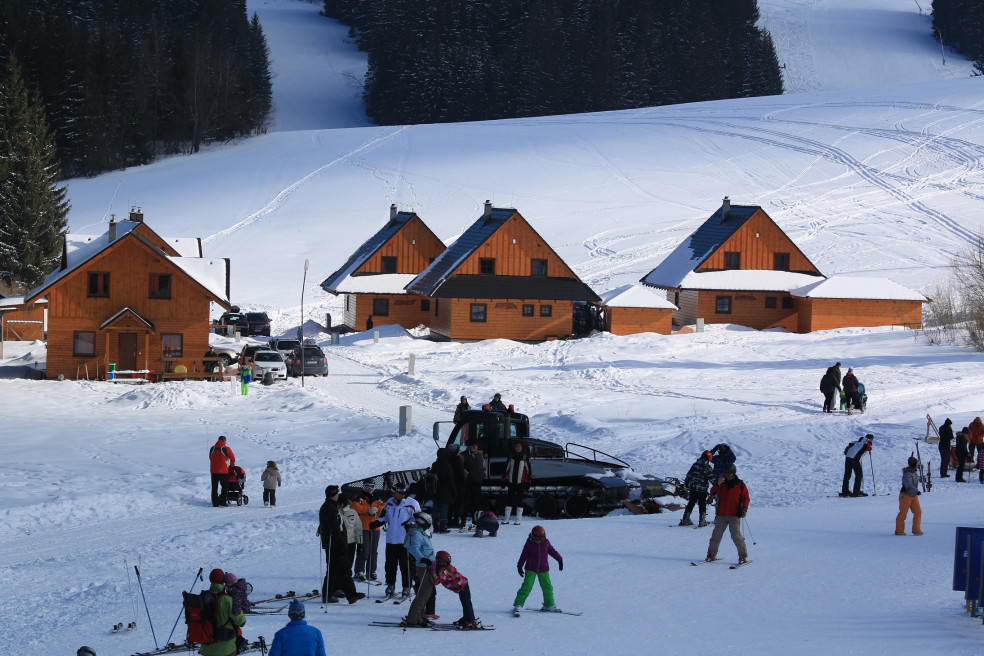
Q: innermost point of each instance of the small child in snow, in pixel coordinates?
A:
(271, 481)
(487, 521)
(236, 588)
(445, 574)
(534, 559)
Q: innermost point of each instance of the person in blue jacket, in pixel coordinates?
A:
(297, 638)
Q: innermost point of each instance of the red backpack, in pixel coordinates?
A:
(201, 613)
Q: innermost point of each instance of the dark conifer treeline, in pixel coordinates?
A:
(124, 80)
(960, 25)
(448, 60)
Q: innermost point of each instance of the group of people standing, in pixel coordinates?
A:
(831, 385)
(729, 493)
(968, 440)
(225, 472)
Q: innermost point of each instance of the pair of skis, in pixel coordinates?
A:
(290, 594)
(543, 610)
(173, 648)
(735, 566)
(433, 626)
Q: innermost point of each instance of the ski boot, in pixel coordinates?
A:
(552, 608)
(390, 593)
(686, 521)
(519, 516)
(406, 594)
(702, 521)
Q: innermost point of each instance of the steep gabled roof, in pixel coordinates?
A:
(211, 274)
(514, 287)
(341, 281)
(678, 268)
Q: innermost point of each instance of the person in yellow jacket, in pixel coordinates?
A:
(226, 621)
(369, 508)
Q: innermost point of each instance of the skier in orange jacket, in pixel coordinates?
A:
(220, 459)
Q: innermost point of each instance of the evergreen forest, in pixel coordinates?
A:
(959, 24)
(123, 81)
(436, 61)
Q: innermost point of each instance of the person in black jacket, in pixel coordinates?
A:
(851, 388)
(334, 541)
(696, 481)
(946, 446)
(474, 463)
(829, 384)
(518, 478)
(460, 409)
(445, 492)
(457, 510)
(961, 454)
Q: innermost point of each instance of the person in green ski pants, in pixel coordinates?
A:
(537, 568)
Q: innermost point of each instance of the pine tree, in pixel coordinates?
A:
(33, 209)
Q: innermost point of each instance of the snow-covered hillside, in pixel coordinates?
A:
(867, 179)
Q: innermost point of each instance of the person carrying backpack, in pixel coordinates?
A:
(297, 638)
(852, 463)
(225, 620)
(696, 482)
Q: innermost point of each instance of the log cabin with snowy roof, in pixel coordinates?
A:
(130, 297)
(740, 267)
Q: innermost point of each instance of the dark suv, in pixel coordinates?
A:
(236, 319)
(259, 323)
(315, 362)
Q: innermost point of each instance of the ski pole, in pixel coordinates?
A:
(198, 577)
(149, 621)
(745, 519)
(874, 486)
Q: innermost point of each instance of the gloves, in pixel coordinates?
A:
(426, 561)
(560, 566)
(373, 525)
(374, 511)
(519, 568)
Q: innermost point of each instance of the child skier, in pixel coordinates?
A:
(909, 500)
(696, 481)
(487, 521)
(445, 574)
(420, 548)
(534, 560)
(271, 481)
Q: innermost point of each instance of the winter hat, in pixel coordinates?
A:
(400, 487)
(869, 436)
(850, 371)
(368, 485)
(230, 578)
(731, 468)
(85, 651)
(443, 557)
(912, 461)
(464, 400)
(331, 491)
(296, 610)
(837, 364)
(216, 576)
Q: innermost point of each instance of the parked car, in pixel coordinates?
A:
(249, 350)
(315, 362)
(259, 323)
(265, 360)
(284, 346)
(228, 355)
(236, 319)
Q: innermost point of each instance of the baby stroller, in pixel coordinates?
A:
(234, 486)
(862, 399)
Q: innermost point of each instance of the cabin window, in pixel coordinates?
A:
(770, 302)
(85, 344)
(538, 267)
(172, 345)
(160, 285)
(780, 261)
(546, 310)
(348, 301)
(425, 305)
(528, 310)
(99, 284)
(381, 307)
(732, 260)
(486, 266)
(723, 305)
(787, 303)
(388, 264)
(478, 313)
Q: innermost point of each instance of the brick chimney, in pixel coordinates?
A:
(136, 214)
(112, 229)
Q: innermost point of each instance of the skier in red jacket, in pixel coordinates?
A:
(732, 504)
(220, 459)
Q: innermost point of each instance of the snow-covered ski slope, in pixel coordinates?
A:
(878, 171)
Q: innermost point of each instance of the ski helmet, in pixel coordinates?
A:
(444, 557)
(85, 651)
(538, 532)
(731, 469)
(707, 454)
(216, 576)
(912, 461)
(423, 520)
(296, 610)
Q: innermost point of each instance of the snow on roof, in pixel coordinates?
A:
(381, 283)
(185, 246)
(210, 274)
(636, 296)
(13, 301)
(338, 279)
(858, 287)
(757, 280)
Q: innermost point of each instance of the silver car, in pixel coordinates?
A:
(266, 360)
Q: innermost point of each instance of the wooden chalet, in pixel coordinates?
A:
(130, 297)
(740, 267)
(500, 279)
(20, 321)
(374, 277)
(632, 309)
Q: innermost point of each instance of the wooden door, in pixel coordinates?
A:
(127, 352)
